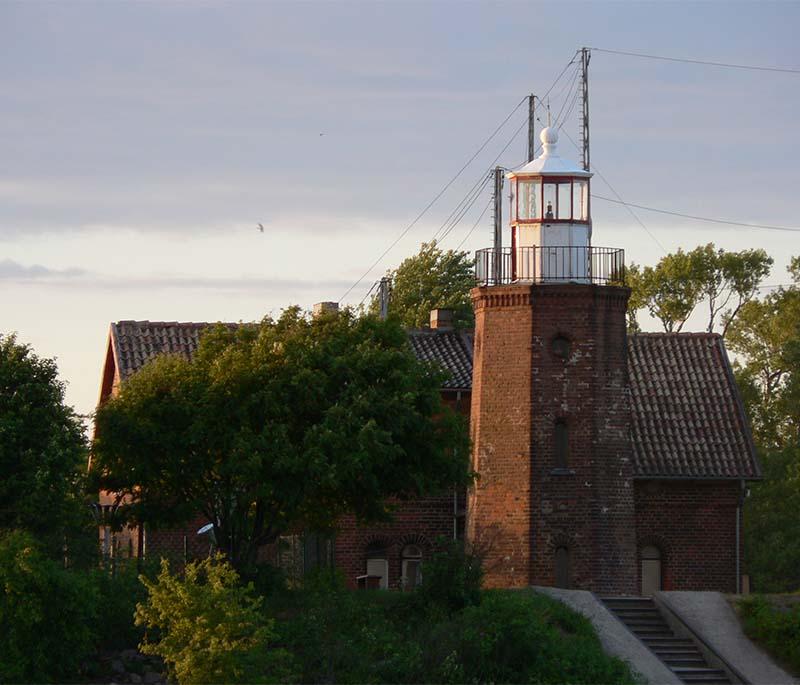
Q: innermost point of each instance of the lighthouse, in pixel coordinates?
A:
(553, 502)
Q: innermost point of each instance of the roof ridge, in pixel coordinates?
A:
(674, 334)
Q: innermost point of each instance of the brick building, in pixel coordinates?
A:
(606, 461)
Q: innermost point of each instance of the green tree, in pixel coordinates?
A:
(428, 280)
(292, 422)
(209, 628)
(42, 448)
(672, 290)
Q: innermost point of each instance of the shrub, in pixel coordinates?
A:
(519, 636)
(451, 578)
(352, 637)
(777, 628)
(47, 614)
(207, 627)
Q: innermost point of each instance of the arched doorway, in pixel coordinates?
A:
(651, 570)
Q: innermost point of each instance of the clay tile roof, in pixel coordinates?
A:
(687, 417)
(135, 342)
(451, 349)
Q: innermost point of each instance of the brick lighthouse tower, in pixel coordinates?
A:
(553, 503)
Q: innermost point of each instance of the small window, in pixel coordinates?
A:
(412, 567)
(565, 200)
(550, 202)
(562, 567)
(561, 347)
(378, 565)
(562, 444)
(580, 200)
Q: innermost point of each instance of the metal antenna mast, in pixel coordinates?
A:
(585, 57)
(531, 125)
(498, 223)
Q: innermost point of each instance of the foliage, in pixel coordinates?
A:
(392, 637)
(521, 637)
(671, 290)
(42, 449)
(290, 422)
(119, 591)
(47, 614)
(452, 578)
(772, 543)
(766, 335)
(428, 280)
(208, 627)
(775, 627)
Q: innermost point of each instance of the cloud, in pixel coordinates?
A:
(11, 271)
(14, 271)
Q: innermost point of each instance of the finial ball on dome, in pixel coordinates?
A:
(549, 136)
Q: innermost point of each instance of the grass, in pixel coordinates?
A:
(773, 621)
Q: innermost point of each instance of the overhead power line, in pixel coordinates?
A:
(698, 218)
(433, 201)
(728, 65)
(475, 225)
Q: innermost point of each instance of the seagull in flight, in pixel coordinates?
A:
(260, 227)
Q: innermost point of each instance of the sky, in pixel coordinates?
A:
(141, 143)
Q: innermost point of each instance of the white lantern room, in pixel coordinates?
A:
(551, 227)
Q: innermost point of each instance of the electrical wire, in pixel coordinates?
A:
(619, 197)
(699, 61)
(475, 225)
(699, 218)
(457, 175)
(466, 208)
(433, 201)
(482, 180)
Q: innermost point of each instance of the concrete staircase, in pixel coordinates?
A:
(680, 655)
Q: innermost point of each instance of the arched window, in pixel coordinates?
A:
(561, 347)
(378, 564)
(561, 444)
(562, 567)
(412, 567)
(651, 570)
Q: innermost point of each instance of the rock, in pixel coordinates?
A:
(117, 666)
(152, 677)
(130, 655)
(135, 677)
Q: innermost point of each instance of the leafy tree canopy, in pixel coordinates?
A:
(428, 280)
(292, 422)
(42, 446)
(672, 289)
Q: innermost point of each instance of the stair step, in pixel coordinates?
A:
(671, 653)
(678, 642)
(695, 662)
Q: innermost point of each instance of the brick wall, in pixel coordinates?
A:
(693, 524)
(523, 507)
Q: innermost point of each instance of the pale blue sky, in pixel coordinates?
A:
(141, 143)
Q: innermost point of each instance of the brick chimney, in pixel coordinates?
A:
(325, 308)
(442, 319)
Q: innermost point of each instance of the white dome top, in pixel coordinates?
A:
(549, 136)
(549, 163)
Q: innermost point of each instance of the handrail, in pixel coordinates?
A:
(550, 264)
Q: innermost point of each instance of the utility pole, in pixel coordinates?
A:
(497, 271)
(585, 57)
(531, 126)
(384, 293)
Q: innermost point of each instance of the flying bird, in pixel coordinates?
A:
(260, 227)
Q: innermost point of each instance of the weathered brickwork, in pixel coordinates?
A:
(524, 508)
(693, 525)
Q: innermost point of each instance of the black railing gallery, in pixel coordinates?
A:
(600, 265)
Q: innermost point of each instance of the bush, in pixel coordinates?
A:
(451, 578)
(342, 636)
(47, 614)
(776, 628)
(522, 637)
(207, 627)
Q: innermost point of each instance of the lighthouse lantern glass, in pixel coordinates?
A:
(580, 200)
(529, 198)
(550, 201)
(564, 200)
